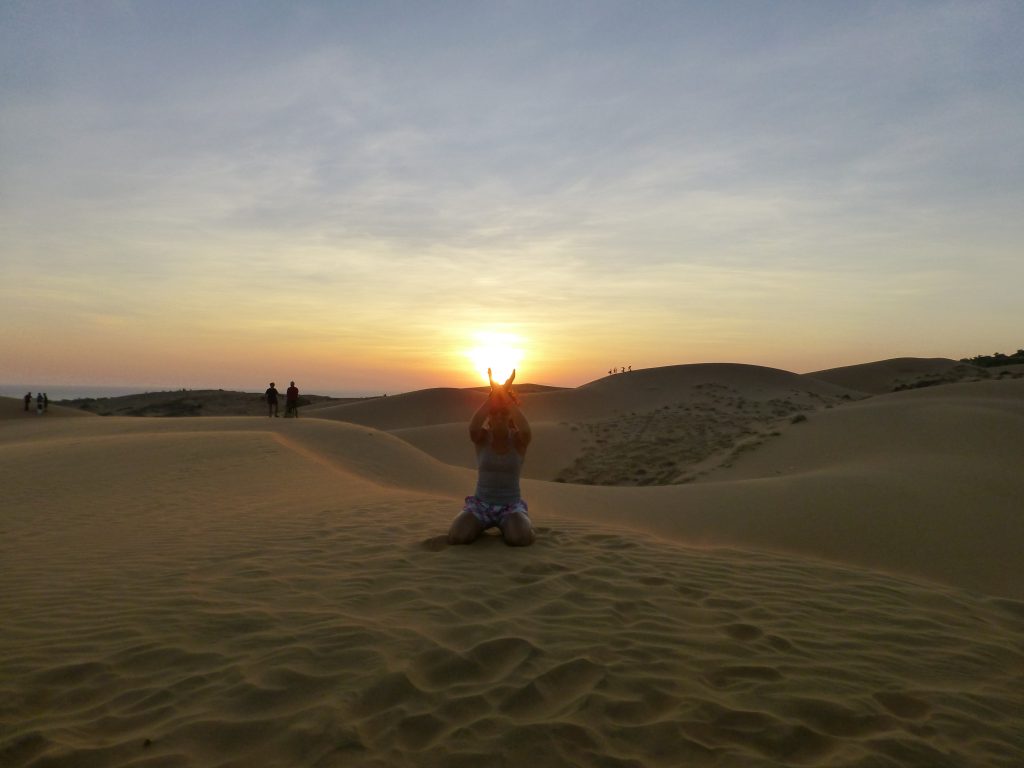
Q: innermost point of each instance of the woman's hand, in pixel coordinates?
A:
(502, 394)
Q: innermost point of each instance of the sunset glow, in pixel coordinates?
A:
(501, 352)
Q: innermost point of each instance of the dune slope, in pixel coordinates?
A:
(647, 427)
(899, 373)
(14, 408)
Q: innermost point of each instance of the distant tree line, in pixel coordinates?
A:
(991, 361)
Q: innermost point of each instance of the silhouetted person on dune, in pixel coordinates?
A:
(291, 401)
(271, 396)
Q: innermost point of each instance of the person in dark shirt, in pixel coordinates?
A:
(28, 400)
(291, 401)
(271, 396)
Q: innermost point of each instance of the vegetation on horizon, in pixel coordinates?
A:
(991, 361)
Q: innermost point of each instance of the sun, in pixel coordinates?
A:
(501, 352)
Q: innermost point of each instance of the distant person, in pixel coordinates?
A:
(28, 401)
(291, 402)
(39, 404)
(500, 449)
(271, 397)
(46, 402)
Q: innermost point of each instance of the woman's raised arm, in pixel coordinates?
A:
(524, 434)
(476, 424)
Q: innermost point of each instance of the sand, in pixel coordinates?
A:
(254, 592)
(194, 402)
(14, 408)
(902, 373)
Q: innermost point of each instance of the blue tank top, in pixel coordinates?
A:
(498, 473)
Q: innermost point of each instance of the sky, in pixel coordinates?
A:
(360, 196)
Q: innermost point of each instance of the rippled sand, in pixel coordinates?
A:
(342, 636)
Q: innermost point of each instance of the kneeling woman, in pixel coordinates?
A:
(500, 450)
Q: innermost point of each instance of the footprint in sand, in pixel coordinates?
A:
(729, 603)
(693, 593)
(654, 581)
(726, 676)
(745, 632)
(554, 690)
(487, 662)
(903, 705)
(779, 643)
(390, 691)
(435, 543)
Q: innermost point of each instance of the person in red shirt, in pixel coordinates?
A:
(291, 401)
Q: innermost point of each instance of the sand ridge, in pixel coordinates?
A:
(900, 373)
(14, 408)
(645, 427)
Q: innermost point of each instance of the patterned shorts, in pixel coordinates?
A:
(491, 515)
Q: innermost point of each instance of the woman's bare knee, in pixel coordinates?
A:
(465, 529)
(517, 531)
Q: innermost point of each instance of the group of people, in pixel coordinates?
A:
(291, 401)
(42, 402)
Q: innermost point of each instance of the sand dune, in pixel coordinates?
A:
(658, 388)
(554, 446)
(642, 389)
(14, 408)
(970, 420)
(923, 482)
(192, 402)
(841, 590)
(899, 373)
(653, 426)
(414, 409)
